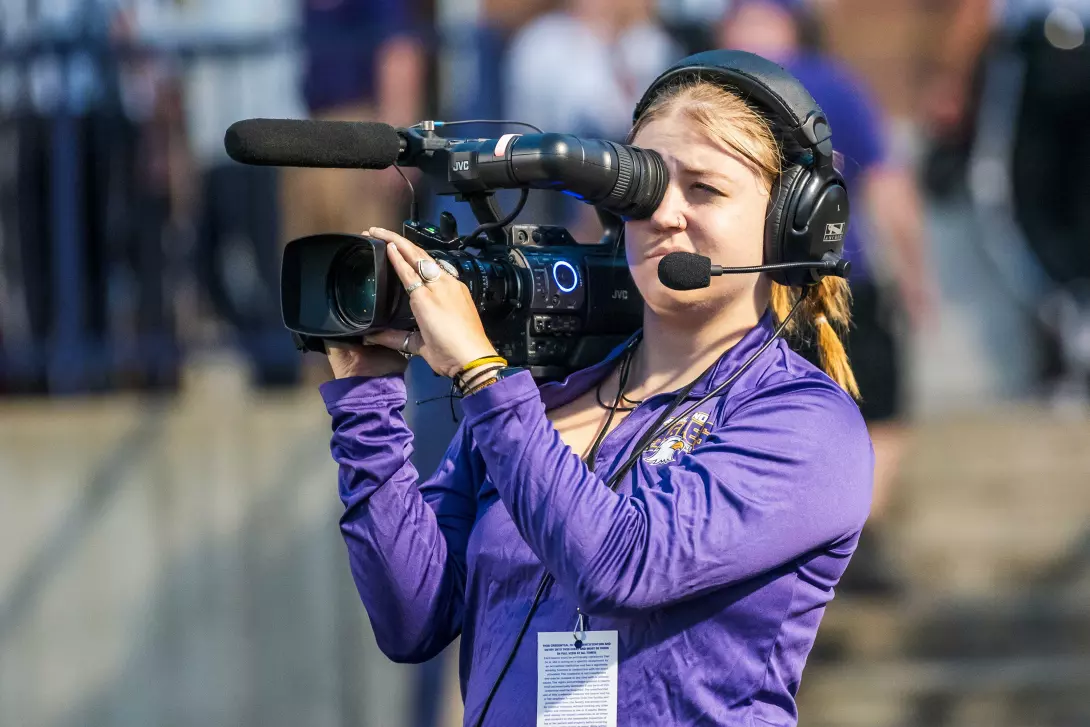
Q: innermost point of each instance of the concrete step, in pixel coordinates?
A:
(897, 692)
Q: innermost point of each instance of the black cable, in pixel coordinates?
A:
(656, 429)
(622, 381)
(499, 223)
(440, 124)
(414, 210)
(452, 396)
(598, 395)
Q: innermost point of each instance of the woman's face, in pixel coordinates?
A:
(715, 205)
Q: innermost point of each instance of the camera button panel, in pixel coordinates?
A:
(545, 323)
(558, 283)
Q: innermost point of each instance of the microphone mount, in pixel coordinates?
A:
(830, 264)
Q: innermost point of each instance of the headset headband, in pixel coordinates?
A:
(763, 83)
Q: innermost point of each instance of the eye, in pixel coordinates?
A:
(701, 186)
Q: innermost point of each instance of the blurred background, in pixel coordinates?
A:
(169, 552)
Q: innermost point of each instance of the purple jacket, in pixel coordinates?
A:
(714, 559)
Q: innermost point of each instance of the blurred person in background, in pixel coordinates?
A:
(236, 66)
(119, 189)
(886, 210)
(580, 70)
(364, 61)
(1050, 192)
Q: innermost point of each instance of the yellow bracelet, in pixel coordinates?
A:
(479, 362)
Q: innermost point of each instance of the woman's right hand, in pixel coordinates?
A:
(353, 359)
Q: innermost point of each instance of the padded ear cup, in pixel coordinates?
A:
(781, 208)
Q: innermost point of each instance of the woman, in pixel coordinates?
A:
(712, 560)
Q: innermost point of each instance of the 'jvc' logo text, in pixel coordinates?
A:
(462, 166)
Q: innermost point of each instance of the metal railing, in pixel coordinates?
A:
(59, 332)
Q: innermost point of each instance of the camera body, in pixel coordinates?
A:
(547, 303)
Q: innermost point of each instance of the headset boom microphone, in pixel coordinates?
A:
(689, 271)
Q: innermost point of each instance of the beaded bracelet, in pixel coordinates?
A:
(477, 376)
(480, 386)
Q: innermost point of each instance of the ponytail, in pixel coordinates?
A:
(826, 311)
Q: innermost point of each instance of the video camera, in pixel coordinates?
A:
(547, 303)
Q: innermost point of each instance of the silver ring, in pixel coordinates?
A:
(413, 287)
(448, 268)
(429, 270)
(404, 350)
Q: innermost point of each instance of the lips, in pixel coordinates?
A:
(663, 251)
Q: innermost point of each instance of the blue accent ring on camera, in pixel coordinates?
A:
(574, 275)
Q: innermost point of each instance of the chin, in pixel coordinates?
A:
(665, 302)
(685, 306)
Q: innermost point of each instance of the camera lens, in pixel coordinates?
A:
(354, 286)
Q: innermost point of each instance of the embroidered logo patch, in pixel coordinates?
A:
(834, 232)
(680, 436)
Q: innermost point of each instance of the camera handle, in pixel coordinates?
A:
(487, 212)
(612, 227)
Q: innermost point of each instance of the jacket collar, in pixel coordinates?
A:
(558, 393)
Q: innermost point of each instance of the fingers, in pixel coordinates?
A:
(405, 272)
(406, 260)
(402, 255)
(410, 252)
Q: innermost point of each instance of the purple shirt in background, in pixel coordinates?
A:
(713, 561)
(857, 134)
(342, 38)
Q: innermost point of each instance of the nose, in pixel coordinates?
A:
(669, 216)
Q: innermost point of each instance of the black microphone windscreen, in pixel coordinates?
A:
(303, 143)
(685, 271)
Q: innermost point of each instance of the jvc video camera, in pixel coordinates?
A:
(547, 303)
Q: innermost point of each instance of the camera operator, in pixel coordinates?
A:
(712, 560)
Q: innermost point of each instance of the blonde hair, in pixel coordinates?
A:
(826, 310)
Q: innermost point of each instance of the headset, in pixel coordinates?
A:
(808, 207)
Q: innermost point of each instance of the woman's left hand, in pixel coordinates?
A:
(451, 333)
